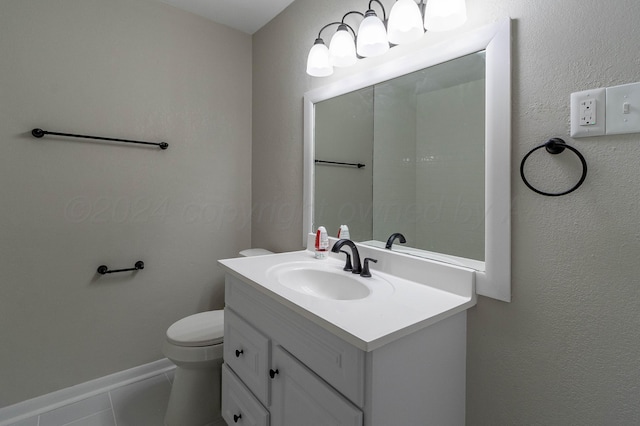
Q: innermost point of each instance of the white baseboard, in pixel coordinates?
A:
(51, 401)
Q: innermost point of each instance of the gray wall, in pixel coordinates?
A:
(136, 69)
(567, 349)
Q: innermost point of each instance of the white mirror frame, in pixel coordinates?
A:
(495, 280)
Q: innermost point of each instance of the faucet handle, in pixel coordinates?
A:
(347, 265)
(365, 268)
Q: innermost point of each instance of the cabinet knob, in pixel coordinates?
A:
(236, 417)
(272, 373)
(239, 352)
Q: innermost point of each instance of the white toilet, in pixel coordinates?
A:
(194, 345)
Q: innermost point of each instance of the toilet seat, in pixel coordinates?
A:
(203, 329)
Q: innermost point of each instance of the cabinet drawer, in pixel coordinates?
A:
(239, 406)
(246, 351)
(302, 398)
(339, 363)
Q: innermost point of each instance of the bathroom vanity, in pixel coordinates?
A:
(307, 343)
(376, 351)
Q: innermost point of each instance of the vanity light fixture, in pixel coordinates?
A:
(342, 49)
(372, 34)
(405, 22)
(318, 64)
(340, 53)
(375, 36)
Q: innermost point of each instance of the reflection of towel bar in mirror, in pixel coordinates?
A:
(338, 163)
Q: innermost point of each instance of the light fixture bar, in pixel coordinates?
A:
(407, 22)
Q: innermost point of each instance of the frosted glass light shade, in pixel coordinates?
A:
(405, 22)
(444, 15)
(318, 64)
(372, 36)
(342, 48)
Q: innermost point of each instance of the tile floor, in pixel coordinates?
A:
(138, 404)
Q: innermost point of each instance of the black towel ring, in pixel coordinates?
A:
(554, 146)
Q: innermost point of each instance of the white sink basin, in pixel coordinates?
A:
(325, 282)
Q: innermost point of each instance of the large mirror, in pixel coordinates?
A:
(418, 139)
(421, 146)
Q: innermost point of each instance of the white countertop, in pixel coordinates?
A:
(397, 306)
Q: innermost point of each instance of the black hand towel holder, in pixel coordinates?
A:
(554, 146)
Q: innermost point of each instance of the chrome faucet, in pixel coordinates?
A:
(357, 267)
(393, 237)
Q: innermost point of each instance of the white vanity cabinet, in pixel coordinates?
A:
(284, 369)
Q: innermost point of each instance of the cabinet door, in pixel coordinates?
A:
(239, 406)
(246, 351)
(299, 397)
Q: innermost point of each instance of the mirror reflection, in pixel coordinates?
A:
(407, 155)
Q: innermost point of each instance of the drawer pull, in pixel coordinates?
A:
(272, 373)
(239, 352)
(236, 417)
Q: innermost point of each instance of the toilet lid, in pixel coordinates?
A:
(203, 329)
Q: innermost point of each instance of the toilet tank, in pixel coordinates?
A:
(254, 252)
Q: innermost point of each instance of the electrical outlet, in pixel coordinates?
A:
(588, 113)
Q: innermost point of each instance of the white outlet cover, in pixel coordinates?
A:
(595, 128)
(623, 109)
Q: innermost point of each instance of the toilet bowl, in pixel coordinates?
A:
(194, 345)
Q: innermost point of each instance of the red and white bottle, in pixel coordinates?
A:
(322, 243)
(343, 232)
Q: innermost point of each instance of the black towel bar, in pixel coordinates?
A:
(38, 133)
(104, 269)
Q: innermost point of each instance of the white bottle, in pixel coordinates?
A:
(343, 232)
(322, 243)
